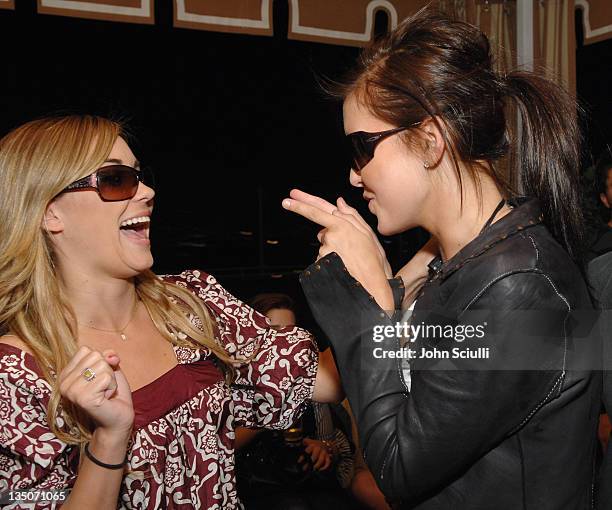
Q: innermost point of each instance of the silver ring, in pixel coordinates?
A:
(88, 374)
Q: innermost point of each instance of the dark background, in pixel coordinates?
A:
(229, 122)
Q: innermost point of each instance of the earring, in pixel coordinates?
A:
(425, 165)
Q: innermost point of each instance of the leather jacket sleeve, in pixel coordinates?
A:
(417, 442)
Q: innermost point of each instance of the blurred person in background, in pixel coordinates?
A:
(308, 466)
(603, 183)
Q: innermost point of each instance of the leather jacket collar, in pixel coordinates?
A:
(525, 213)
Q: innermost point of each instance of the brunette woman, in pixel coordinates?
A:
(426, 119)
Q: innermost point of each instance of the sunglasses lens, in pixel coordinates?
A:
(359, 154)
(117, 182)
(147, 177)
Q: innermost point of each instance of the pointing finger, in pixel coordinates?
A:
(307, 198)
(309, 212)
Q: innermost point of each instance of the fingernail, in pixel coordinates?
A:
(286, 203)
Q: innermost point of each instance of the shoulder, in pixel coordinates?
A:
(231, 313)
(529, 269)
(14, 341)
(24, 426)
(20, 374)
(194, 280)
(520, 252)
(530, 249)
(203, 285)
(24, 393)
(207, 288)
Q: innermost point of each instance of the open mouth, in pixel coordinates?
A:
(136, 229)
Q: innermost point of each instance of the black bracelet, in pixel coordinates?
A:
(103, 464)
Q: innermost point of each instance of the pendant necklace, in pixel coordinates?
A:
(119, 332)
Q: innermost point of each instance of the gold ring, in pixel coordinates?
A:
(88, 374)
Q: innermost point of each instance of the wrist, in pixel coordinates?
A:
(103, 464)
(331, 448)
(383, 294)
(112, 437)
(109, 446)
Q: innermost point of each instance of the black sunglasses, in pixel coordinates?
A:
(114, 182)
(361, 145)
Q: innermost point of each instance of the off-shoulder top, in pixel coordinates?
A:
(181, 455)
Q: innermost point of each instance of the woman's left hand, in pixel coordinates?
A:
(347, 234)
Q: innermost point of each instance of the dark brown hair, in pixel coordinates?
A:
(263, 303)
(434, 67)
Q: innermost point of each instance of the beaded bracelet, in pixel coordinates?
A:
(104, 464)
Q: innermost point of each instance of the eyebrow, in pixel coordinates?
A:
(120, 162)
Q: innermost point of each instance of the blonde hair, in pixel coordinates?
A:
(37, 161)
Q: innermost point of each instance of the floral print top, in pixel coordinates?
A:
(181, 455)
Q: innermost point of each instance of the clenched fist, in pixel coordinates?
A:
(93, 381)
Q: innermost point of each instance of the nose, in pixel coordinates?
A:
(355, 179)
(144, 193)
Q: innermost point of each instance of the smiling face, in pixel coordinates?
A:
(394, 182)
(102, 238)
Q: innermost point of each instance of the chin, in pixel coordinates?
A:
(146, 264)
(387, 229)
(138, 266)
(392, 224)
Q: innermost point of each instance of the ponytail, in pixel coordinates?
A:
(546, 154)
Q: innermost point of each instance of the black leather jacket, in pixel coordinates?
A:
(514, 430)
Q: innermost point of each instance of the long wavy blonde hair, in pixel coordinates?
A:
(37, 161)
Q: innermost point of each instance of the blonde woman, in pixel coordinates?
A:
(120, 385)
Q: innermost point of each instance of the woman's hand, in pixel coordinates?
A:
(347, 234)
(319, 455)
(416, 271)
(106, 397)
(342, 209)
(357, 220)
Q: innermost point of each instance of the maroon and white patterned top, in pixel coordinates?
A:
(182, 450)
